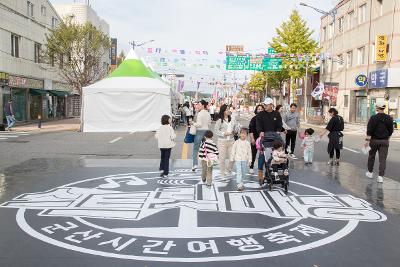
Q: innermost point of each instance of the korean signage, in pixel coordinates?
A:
(253, 63)
(381, 48)
(271, 51)
(234, 48)
(113, 51)
(361, 80)
(378, 79)
(4, 78)
(22, 82)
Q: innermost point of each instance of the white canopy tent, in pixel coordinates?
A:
(132, 98)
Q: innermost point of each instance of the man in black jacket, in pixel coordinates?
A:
(268, 120)
(379, 130)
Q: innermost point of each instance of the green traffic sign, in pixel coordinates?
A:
(257, 64)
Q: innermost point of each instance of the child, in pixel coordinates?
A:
(308, 145)
(165, 136)
(241, 154)
(279, 159)
(208, 155)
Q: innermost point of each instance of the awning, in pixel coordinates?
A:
(37, 92)
(59, 93)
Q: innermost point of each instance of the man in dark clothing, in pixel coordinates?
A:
(9, 112)
(379, 131)
(253, 138)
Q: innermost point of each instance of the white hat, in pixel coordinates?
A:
(380, 103)
(268, 101)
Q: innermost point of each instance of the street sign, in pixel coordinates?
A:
(272, 64)
(361, 80)
(253, 63)
(271, 50)
(381, 48)
(378, 79)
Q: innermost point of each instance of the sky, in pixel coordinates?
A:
(206, 25)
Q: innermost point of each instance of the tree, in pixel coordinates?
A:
(293, 38)
(276, 79)
(78, 50)
(121, 57)
(257, 84)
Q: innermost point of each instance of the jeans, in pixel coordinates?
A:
(308, 155)
(10, 121)
(290, 140)
(197, 142)
(382, 147)
(164, 162)
(241, 170)
(261, 161)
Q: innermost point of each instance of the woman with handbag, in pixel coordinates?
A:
(198, 128)
(224, 129)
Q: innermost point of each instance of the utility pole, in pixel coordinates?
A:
(305, 92)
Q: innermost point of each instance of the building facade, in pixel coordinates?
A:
(34, 86)
(360, 44)
(82, 13)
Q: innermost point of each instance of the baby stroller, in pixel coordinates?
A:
(269, 177)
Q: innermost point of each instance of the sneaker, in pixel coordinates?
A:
(165, 175)
(337, 162)
(370, 175)
(293, 156)
(251, 171)
(330, 162)
(208, 186)
(306, 163)
(194, 168)
(380, 179)
(240, 187)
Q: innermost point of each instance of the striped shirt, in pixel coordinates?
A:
(207, 147)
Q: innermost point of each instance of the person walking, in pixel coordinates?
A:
(208, 154)
(212, 111)
(308, 145)
(224, 129)
(292, 120)
(335, 127)
(202, 124)
(187, 113)
(268, 124)
(241, 155)
(9, 112)
(253, 137)
(379, 131)
(165, 136)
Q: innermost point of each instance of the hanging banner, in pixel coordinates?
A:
(113, 51)
(381, 48)
(234, 48)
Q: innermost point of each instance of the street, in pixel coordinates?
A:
(102, 171)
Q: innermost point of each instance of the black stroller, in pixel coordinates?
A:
(281, 178)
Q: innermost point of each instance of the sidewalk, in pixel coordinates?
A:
(349, 128)
(72, 124)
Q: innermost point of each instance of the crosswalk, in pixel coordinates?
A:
(4, 136)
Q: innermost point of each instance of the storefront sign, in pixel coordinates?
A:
(4, 78)
(378, 79)
(22, 82)
(361, 80)
(381, 48)
(234, 48)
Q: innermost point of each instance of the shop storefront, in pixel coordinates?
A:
(362, 114)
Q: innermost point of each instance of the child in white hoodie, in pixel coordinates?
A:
(165, 136)
(241, 154)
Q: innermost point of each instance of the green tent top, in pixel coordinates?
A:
(132, 66)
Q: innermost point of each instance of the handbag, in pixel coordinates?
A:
(189, 138)
(192, 130)
(211, 159)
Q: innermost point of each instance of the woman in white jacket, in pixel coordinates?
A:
(224, 130)
(165, 136)
(202, 124)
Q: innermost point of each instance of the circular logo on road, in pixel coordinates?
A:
(143, 217)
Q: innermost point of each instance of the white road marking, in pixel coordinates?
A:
(8, 136)
(132, 132)
(115, 140)
(352, 150)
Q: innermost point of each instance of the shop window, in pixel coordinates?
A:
(15, 45)
(346, 101)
